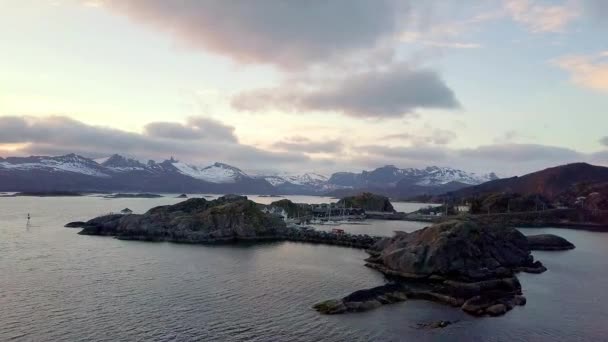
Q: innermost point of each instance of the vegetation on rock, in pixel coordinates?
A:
(368, 202)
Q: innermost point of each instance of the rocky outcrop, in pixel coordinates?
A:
(458, 249)
(435, 325)
(368, 202)
(459, 263)
(133, 196)
(548, 242)
(292, 209)
(75, 224)
(227, 218)
(364, 300)
(182, 196)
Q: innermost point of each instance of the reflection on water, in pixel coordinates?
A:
(57, 285)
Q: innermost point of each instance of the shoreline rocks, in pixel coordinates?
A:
(143, 195)
(227, 219)
(75, 224)
(368, 202)
(458, 263)
(548, 242)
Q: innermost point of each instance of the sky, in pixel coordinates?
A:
(505, 86)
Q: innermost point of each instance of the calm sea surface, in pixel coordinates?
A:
(56, 285)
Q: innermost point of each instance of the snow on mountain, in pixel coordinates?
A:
(118, 169)
(434, 175)
(68, 163)
(307, 179)
(118, 163)
(275, 180)
(216, 173)
(390, 176)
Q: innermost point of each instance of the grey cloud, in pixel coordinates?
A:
(604, 141)
(505, 159)
(287, 33)
(434, 136)
(413, 153)
(195, 128)
(523, 153)
(597, 9)
(302, 144)
(59, 135)
(393, 92)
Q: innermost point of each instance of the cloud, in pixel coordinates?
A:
(287, 33)
(411, 154)
(523, 153)
(604, 141)
(504, 159)
(393, 92)
(432, 136)
(305, 145)
(195, 128)
(55, 135)
(590, 71)
(452, 45)
(512, 136)
(597, 9)
(538, 17)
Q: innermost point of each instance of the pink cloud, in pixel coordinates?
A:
(587, 71)
(541, 18)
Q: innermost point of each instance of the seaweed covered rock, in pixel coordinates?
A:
(227, 218)
(368, 202)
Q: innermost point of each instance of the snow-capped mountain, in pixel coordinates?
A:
(119, 173)
(216, 173)
(310, 179)
(390, 176)
(307, 183)
(434, 175)
(119, 163)
(407, 182)
(68, 163)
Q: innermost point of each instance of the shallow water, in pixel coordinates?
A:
(57, 285)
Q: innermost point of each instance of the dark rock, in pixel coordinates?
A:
(364, 300)
(331, 307)
(458, 263)
(182, 196)
(227, 218)
(368, 202)
(434, 325)
(75, 224)
(497, 310)
(458, 249)
(133, 196)
(548, 242)
(48, 194)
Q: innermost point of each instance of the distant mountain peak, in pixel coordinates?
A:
(117, 161)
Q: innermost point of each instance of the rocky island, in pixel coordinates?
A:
(142, 195)
(460, 262)
(227, 219)
(368, 202)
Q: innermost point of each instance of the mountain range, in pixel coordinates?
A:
(72, 172)
(550, 183)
